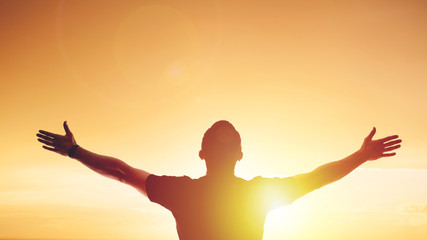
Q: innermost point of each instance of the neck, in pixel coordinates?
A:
(220, 171)
(219, 174)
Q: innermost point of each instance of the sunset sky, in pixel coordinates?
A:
(303, 83)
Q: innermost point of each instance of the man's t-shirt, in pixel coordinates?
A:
(229, 209)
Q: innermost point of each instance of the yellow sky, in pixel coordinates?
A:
(303, 83)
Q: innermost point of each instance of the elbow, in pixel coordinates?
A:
(116, 175)
(120, 177)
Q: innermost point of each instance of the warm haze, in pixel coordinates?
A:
(303, 83)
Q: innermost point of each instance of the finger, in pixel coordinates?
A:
(392, 143)
(53, 135)
(66, 128)
(388, 154)
(44, 137)
(371, 134)
(50, 148)
(47, 142)
(391, 148)
(386, 139)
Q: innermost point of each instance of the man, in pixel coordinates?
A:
(219, 205)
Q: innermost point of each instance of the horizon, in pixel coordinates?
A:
(308, 213)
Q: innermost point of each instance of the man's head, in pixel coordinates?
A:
(221, 144)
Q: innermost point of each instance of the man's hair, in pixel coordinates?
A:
(221, 139)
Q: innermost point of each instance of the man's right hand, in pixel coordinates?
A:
(375, 149)
(57, 143)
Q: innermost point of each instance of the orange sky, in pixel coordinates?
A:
(303, 83)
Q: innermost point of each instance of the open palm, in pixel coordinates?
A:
(375, 149)
(57, 143)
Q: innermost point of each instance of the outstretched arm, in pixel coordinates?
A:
(104, 165)
(333, 171)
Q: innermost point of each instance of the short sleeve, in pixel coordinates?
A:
(276, 192)
(165, 190)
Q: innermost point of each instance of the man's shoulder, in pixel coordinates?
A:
(167, 178)
(259, 179)
(164, 188)
(283, 183)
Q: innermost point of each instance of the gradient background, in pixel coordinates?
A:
(302, 81)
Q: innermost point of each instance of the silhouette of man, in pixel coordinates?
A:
(219, 205)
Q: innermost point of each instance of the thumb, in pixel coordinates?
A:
(67, 129)
(371, 134)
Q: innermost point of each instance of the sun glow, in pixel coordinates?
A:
(283, 221)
